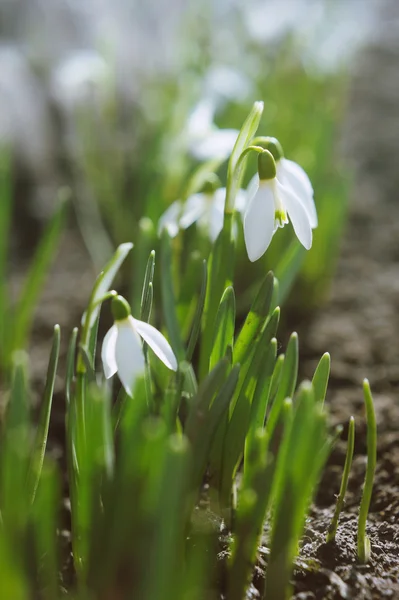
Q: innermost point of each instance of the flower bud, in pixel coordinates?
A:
(266, 166)
(120, 308)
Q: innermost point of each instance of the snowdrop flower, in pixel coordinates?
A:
(205, 208)
(281, 190)
(205, 141)
(122, 350)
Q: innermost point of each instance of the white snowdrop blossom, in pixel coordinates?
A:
(122, 349)
(204, 139)
(280, 191)
(206, 209)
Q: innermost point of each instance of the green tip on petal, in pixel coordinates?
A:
(120, 308)
(266, 165)
(211, 184)
(273, 145)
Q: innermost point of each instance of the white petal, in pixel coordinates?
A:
(170, 219)
(241, 200)
(129, 354)
(108, 352)
(290, 174)
(217, 144)
(216, 214)
(298, 215)
(194, 208)
(252, 187)
(157, 343)
(259, 222)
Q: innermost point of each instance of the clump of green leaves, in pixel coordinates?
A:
(173, 489)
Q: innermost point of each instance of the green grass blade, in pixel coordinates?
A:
(224, 327)
(34, 283)
(286, 388)
(363, 542)
(147, 293)
(169, 299)
(39, 451)
(196, 325)
(332, 530)
(70, 365)
(320, 378)
(259, 311)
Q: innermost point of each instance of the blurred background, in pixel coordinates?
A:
(119, 100)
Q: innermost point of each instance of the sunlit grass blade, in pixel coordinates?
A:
(224, 327)
(320, 378)
(167, 554)
(16, 449)
(255, 318)
(169, 299)
(286, 388)
(144, 244)
(251, 512)
(232, 447)
(45, 523)
(220, 276)
(33, 286)
(300, 459)
(39, 450)
(363, 541)
(196, 324)
(70, 365)
(147, 293)
(332, 530)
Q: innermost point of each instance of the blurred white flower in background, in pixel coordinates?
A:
(205, 209)
(82, 77)
(204, 139)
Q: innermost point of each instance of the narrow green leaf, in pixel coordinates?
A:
(320, 377)
(196, 325)
(16, 449)
(70, 365)
(224, 327)
(255, 318)
(33, 286)
(39, 451)
(220, 276)
(332, 530)
(286, 388)
(168, 298)
(363, 541)
(45, 524)
(147, 293)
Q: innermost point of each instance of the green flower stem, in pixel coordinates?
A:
(363, 542)
(233, 182)
(332, 530)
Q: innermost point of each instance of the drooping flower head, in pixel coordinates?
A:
(280, 191)
(122, 350)
(205, 208)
